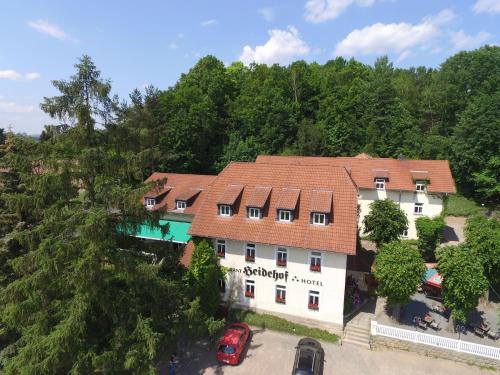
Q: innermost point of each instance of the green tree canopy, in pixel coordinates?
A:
(385, 222)
(399, 269)
(430, 234)
(463, 280)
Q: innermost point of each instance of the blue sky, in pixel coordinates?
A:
(135, 43)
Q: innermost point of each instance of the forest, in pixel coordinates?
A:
(79, 296)
(215, 114)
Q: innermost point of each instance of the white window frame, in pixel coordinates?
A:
(220, 244)
(313, 299)
(418, 208)
(316, 218)
(405, 233)
(281, 250)
(254, 213)
(149, 202)
(282, 215)
(315, 259)
(250, 248)
(280, 293)
(180, 205)
(250, 287)
(420, 186)
(380, 183)
(225, 210)
(222, 285)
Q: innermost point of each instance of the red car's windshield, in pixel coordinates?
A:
(227, 349)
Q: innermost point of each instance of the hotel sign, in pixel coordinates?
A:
(274, 274)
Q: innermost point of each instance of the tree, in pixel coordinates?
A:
(463, 280)
(385, 222)
(399, 269)
(482, 236)
(3, 137)
(430, 234)
(80, 296)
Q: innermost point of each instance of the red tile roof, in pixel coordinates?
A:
(321, 201)
(188, 193)
(178, 184)
(288, 199)
(361, 170)
(188, 254)
(337, 236)
(259, 196)
(231, 194)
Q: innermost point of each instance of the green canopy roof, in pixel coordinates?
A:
(177, 231)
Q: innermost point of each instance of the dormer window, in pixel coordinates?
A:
(420, 186)
(180, 205)
(225, 210)
(253, 213)
(285, 215)
(380, 183)
(150, 202)
(318, 218)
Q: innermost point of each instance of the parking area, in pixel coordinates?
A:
(272, 353)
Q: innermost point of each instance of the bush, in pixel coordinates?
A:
(279, 324)
(430, 234)
(385, 222)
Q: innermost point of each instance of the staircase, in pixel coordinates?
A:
(357, 331)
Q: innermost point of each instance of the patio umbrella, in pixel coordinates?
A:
(432, 277)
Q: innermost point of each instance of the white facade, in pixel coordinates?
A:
(432, 205)
(296, 277)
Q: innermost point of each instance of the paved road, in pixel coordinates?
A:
(272, 353)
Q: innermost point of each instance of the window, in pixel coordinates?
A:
(150, 202)
(181, 205)
(313, 300)
(254, 213)
(420, 186)
(221, 248)
(405, 233)
(224, 210)
(319, 219)
(380, 184)
(250, 252)
(250, 288)
(281, 257)
(280, 294)
(315, 264)
(222, 285)
(418, 208)
(284, 215)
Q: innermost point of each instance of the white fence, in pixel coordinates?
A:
(436, 341)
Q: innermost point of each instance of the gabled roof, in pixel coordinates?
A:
(230, 195)
(179, 186)
(399, 171)
(321, 201)
(285, 180)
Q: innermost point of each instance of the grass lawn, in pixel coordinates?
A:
(458, 205)
(278, 324)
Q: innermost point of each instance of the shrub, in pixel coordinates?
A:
(430, 234)
(385, 222)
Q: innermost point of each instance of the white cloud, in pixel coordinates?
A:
(16, 76)
(11, 107)
(323, 10)
(32, 76)
(50, 29)
(208, 23)
(267, 14)
(10, 74)
(406, 54)
(462, 41)
(282, 47)
(180, 35)
(172, 45)
(487, 6)
(383, 38)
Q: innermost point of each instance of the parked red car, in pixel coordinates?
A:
(232, 343)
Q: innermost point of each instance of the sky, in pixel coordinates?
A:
(137, 43)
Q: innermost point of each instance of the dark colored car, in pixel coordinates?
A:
(232, 343)
(308, 357)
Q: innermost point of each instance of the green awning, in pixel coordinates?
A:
(177, 232)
